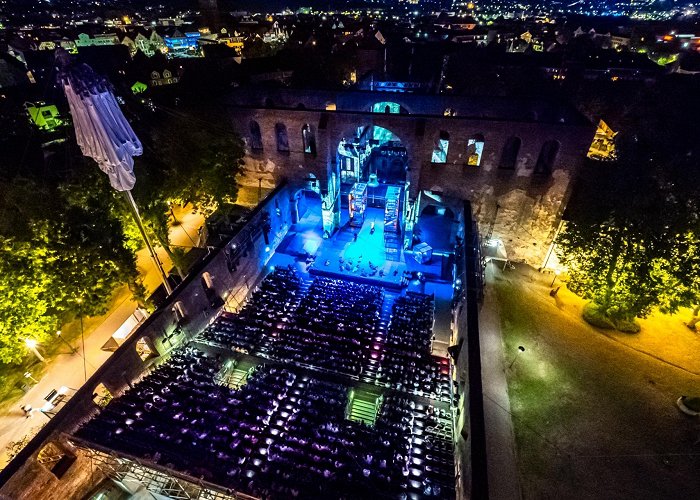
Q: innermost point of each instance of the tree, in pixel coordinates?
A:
(26, 301)
(186, 160)
(59, 256)
(634, 246)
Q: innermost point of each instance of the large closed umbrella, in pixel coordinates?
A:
(103, 133)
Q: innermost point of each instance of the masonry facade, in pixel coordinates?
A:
(514, 160)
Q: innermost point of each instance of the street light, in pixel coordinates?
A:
(31, 344)
(520, 349)
(73, 349)
(556, 274)
(79, 300)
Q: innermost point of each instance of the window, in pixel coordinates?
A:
(309, 140)
(547, 158)
(387, 108)
(282, 139)
(56, 458)
(207, 282)
(440, 151)
(256, 143)
(475, 148)
(101, 395)
(179, 311)
(144, 348)
(509, 155)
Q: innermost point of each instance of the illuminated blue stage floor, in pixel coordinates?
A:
(352, 251)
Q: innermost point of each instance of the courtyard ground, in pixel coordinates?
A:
(593, 411)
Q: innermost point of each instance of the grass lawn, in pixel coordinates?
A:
(593, 417)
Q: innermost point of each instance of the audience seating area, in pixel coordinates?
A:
(406, 360)
(283, 434)
(278, 400)
(339, 326)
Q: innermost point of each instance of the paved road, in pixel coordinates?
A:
(67, 369)
(503, 473)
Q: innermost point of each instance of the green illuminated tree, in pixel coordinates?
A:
(634, 245)
(60, 256)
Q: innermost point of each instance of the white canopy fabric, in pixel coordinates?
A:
(101, 130)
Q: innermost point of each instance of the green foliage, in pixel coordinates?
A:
(67, 243)
(59, 257)
(186, 160)
(592, 314)
(635, 246)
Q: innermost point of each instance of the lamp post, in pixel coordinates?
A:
(73, 349)
(79, 300)
(556, 275)
(28, 375)
(520, 349)
(31, 344)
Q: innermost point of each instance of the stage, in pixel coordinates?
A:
(353, 252)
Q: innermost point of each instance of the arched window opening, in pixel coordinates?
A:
(282, 138)
(256, 143)
(475, 149)
(389, 108)
(101, 395)
(440, 151)
(509, 155)
(213, 297)
(309, 139)
(547, 158)
(145, 349)
(179, 313)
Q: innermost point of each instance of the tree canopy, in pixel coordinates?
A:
(68, 240)
(634, 246)
(57, 259)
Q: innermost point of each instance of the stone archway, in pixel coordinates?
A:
(372, 150)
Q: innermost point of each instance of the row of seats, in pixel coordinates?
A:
(339, 326)
(284, 434)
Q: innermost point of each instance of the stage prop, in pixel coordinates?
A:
(392, 228)
(423, 253)
(357, 204)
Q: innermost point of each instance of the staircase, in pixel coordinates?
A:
(364, 406)
(236, 375)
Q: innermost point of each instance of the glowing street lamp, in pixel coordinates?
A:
(31, 344)
(520, 349)
(73, 349)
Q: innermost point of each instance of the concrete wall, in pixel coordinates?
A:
(529, 204)
(25, 477)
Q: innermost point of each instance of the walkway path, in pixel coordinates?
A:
(504, 483)
(68, 369)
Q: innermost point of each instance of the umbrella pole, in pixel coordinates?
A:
(139, 223)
